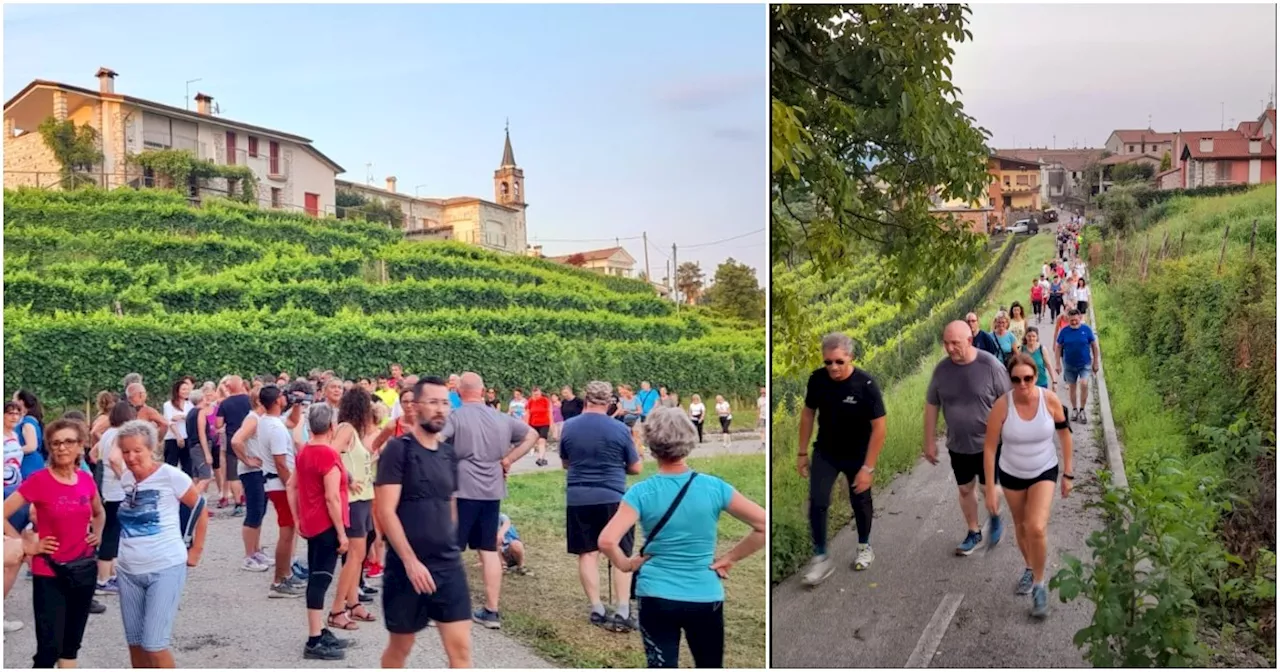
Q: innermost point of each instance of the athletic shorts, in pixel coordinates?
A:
(406, 612)
(968, 467)
(1018, 484)
(200, 469)
(583, 525)
(280, 500)
(233, 464)
(1072, 374)
(361, 519)
(543, 431)
(478, 524)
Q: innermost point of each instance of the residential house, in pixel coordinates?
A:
(1015, 186)
(497, 225)
(291, 172)
(1143, 141)
(1104, 181)
(608, 261)
(1061, 171)
(978, 215)
(1208, 158)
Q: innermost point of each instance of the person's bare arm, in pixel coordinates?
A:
(384, 435)
(202, 433)
(931, 432)
(153, 416)
(29, 439)
(752, 514)
(521, 449)
(385, 500)
(807, 416)
(241, 438)
(995, 424)
(12, 504)
(115, 459)
(98, 521)
(1097, 354)
(282, 468)
(333, 500)
(99, 428)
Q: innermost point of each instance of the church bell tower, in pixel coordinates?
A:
(508, 180)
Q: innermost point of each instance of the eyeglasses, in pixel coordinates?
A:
(973, 321)
(836, 362)
(1022, 379)
(65, 443)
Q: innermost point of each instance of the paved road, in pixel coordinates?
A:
(920, 603)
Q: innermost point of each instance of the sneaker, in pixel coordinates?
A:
(1084, 417)
(108, 587)
(1025, 583)
(365, 598)
(238, 512)
(487, 618)
(375, 571)
(327, 637)
(820, 567)
(1039, 601)
(522, 571)
(368, 590)
(622, 625)
(322, 650)
(264, 559)
(599, 620)
(223, 503)
(97, 607)
(866, 556)
(294, 581)
(285, 589)
(300, 572)
(12, 626)
(996, 528)
(253, 564)
(970, 542)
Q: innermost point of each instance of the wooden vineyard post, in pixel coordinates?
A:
(1253, 238)
(1164, 245)
(1226, 234)
(1181, 239)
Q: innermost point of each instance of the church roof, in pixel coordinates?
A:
(508, 156)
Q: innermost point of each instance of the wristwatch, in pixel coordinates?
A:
(869, 470)
(1069, 477)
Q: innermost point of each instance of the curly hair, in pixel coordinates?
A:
(356, 408)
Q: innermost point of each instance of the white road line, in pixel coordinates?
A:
(931, 638)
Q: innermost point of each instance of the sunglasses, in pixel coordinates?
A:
(1022, 379)
(836, 362)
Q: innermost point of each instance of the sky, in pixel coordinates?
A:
(625, 119)
(1078, 72)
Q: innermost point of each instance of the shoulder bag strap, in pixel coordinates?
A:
(662, 522)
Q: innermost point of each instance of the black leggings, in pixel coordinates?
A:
(1055, 306)
(724, 424)
(661, 622)
(322, 559)
(698, 424)
(177, 455)
(1037, 307)
(60, 615)
(823, 472)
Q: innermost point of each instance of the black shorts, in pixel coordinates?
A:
(583, 525)
(233, 464)
(543, 431)
(1017, 484)
(968, 467)
(361, 519)
(406, 612)
(478, 524)
(109, 549)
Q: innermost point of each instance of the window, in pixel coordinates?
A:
(1022, 181)
(1130, 149)
(273, 167)
(1006, 180)
(275, 197)
(231, 148)
(253, 147)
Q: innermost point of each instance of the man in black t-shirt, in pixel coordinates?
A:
(570, 406)
(851, 432)
(231, 414)
(424, 580)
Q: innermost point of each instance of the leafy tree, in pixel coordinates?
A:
(1132, 172)
(1166, 161)
(1120, 209)
(689, 281)
(866, 124)
(74, 148)
(353, 205)
(577, 259)
(736, 292)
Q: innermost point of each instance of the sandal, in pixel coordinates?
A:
(366, 617)
(341, 625)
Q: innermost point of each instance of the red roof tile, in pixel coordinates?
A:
(1143, 135)
(1071, 159)
(1226, 145)
(590, 255)
(1116, 159)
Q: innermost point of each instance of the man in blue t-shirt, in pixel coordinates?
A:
(1077, 351)
(598, 453)
(648, 399)
(983, 340)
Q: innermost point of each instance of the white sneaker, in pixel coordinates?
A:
(12, 626)
(866, 556)
(820, 567)
(252, 564)
(264, 559)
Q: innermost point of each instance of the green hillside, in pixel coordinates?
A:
(98, 284)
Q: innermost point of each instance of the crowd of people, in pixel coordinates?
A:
(393, 478)
(995, 390)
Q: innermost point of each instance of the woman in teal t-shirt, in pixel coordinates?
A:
(1044, 363)
(679, 587)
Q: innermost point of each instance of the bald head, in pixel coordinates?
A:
(471, 387)
(957, 340)
(235, 384)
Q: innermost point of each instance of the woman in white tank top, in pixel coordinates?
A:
(1021, 428)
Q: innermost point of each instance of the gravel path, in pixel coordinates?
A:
(920, 604)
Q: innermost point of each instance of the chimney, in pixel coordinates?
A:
(391, 184)
(1206, 145)
(106, 80)
(204, 103)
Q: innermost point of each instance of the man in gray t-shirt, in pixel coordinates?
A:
(486, 443)
(964, 387)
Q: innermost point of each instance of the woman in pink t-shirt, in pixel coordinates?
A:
(69, 519)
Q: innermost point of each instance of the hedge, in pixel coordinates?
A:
(209, 253)
(66, 359)
(1147, 197)
(900, 355)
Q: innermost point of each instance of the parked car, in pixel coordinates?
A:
(1027, 226)
(1050, 215)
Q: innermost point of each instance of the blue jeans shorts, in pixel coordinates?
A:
(1072, 374)
(149, 605)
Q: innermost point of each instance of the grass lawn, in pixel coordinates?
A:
(904, 410)
(548, 610)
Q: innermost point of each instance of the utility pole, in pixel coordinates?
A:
(644, 235)
(1055, 141)
(675, 288)
(1222, 122)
